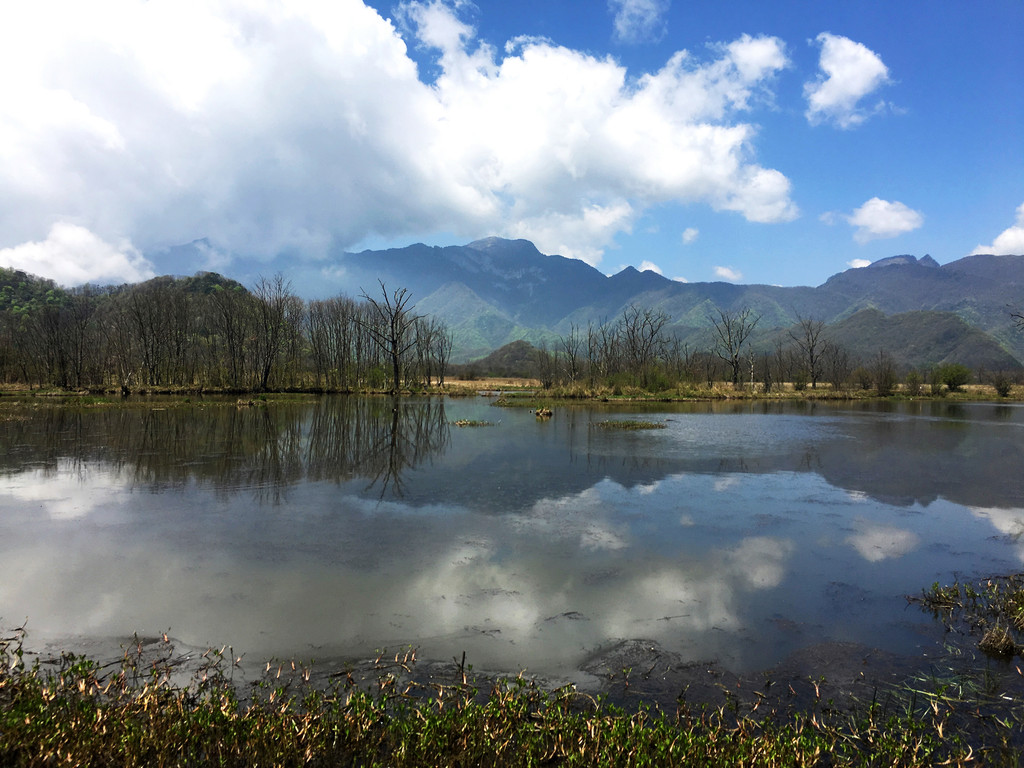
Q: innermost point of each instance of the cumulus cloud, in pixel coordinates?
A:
(879, 219)
(271, 128)
(639, 21)
(729, 274)
(690, 234)
(849, 72)
(72, 255)
(858, 263)
(875, 542)
(1009, 241)
(650, 266)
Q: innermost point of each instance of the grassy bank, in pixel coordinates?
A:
(519, 391)
(531, 396)
(138, 712)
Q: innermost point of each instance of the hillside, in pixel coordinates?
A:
(492, 292)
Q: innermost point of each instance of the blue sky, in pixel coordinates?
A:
(754, 142)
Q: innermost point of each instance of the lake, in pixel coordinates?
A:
(333, 527)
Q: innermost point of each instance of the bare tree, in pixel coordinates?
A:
(393, 320)
(807, 336)
(731, 332)
(837, 364)
(572, 346)
(441, 349)
(642, 340)
(271, 307)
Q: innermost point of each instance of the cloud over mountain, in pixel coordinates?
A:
(1010, 241)
(849, 72)
(272, 128)
(878, 219)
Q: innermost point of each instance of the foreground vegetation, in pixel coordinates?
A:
(133, 715)
(140, 712)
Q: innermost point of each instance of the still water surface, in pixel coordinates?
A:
(343, 525)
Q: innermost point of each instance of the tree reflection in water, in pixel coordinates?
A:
(227, 447)
(379, 439)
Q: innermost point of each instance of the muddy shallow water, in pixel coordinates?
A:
(743, 537)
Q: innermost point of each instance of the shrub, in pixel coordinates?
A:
(913, 383)
(1002, 383)
(862, 377)
(800, 379)
(953, 375)
(884, 374)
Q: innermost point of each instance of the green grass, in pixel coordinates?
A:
(135, 714)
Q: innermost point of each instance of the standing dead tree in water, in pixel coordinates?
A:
(390, 325)
(731, 332)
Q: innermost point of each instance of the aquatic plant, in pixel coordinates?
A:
(628, 424)
(991, 609)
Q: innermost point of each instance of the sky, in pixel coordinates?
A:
(744, 141)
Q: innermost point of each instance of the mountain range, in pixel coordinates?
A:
(494, 291)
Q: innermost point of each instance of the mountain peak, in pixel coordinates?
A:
(905, 260)
(501, 243)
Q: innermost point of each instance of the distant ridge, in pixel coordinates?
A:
(494, 291)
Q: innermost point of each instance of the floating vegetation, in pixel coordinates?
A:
(135, 714)
(992, 609)
(543, 413)
(628, 424)
(472, 423)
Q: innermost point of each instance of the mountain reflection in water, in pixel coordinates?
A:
(345, 524)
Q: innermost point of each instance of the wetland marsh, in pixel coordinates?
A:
(328, 528)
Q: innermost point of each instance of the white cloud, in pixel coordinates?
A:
(638, 21)
(690, 234)
(880, 219)
(650, 266)
(268, 128)
(876, 542)
(850, 71)
(728, 273)
(858, 263)
(1009, 241)
(680, 280)
(72, 255)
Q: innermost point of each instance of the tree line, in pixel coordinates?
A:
(639, 349)
(209, 332)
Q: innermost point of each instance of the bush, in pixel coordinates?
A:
(1002, 383)
(862, 377)
(953, 375)
(885, 374)
(913, 383)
